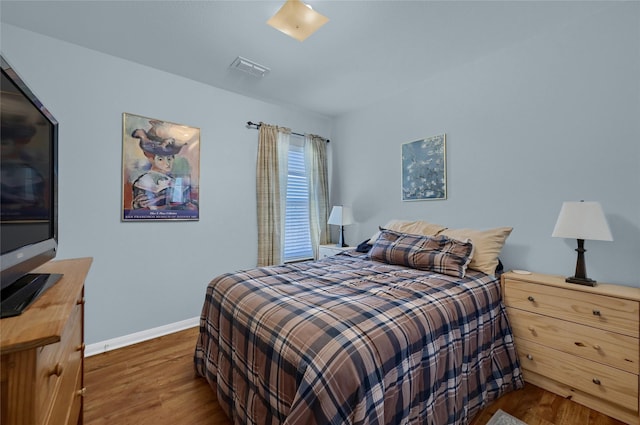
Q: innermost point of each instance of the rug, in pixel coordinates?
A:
(503, 418)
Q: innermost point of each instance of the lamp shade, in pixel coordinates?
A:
(340, 216)
(582, 220)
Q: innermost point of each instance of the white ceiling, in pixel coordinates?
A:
(368, 50)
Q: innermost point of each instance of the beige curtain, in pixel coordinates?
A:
(315, 156)
(271, 165)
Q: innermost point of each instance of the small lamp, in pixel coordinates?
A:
(341, 216)
(582, 220)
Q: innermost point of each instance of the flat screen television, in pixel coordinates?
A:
(28, 193)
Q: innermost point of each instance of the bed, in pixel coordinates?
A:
(351, 339)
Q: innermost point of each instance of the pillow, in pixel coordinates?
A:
(439, 254)
(487, 245)
(418, 227)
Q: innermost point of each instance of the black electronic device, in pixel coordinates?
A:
(28, 190)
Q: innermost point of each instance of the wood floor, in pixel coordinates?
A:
(153, 383)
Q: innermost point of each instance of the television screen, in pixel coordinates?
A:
(28, 179)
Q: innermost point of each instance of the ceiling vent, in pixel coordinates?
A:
(250, 67)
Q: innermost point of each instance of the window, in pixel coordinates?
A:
(297, 237)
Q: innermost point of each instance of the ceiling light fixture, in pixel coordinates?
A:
(297, 20)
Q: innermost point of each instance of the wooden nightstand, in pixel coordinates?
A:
(577, 341)
(331, 249)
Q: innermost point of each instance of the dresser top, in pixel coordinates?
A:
(43, 321)
(620, 291)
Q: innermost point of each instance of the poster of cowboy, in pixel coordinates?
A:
(160, 170)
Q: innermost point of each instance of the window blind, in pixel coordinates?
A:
(297, 238)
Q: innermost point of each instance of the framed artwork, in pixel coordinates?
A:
(424, 169)
(160, 170)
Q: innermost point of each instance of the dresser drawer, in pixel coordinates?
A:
(619, 351)
(618, 315)
(607, 383)
(66, 405)
(75, 411)
(59, 366)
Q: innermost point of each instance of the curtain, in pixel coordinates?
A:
(271, 183)
(315, 156)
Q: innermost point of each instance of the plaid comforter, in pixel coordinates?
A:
(346, 340)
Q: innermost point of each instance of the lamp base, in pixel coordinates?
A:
(581, 281)
(581, 270)
(341, 243)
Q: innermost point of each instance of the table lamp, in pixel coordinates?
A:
(341, 216)
(582, 220)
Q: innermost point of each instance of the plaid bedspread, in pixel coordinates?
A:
(346, 340)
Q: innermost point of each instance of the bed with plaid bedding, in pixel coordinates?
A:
(347, 340)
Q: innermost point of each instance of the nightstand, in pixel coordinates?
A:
(577, 341)
(332, 249)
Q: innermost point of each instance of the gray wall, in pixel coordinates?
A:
(145, 275)
(553, 119)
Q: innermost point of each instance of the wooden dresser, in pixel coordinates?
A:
(42, 353)
(578, 341)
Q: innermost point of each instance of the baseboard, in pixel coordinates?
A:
(134, 338)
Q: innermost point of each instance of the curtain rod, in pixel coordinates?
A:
(257, 126)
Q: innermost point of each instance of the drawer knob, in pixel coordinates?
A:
(57, 370)
(596, 381)
(80, 347)
(529, 356)
(596, 312)
(596, 347)
(80, 301)
(531, 329)
(530, 298)
(81, 392)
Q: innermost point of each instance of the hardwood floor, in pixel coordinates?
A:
(153, 383)
(150, 383)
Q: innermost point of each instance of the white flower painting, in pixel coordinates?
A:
(424, 169)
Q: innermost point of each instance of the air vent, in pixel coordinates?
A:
(250, 67)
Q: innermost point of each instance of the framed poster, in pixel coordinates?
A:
(424, 169)
(160, 170)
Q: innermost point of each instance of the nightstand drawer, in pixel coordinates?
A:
(610, 313)
(613, 349)
(604, 382)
